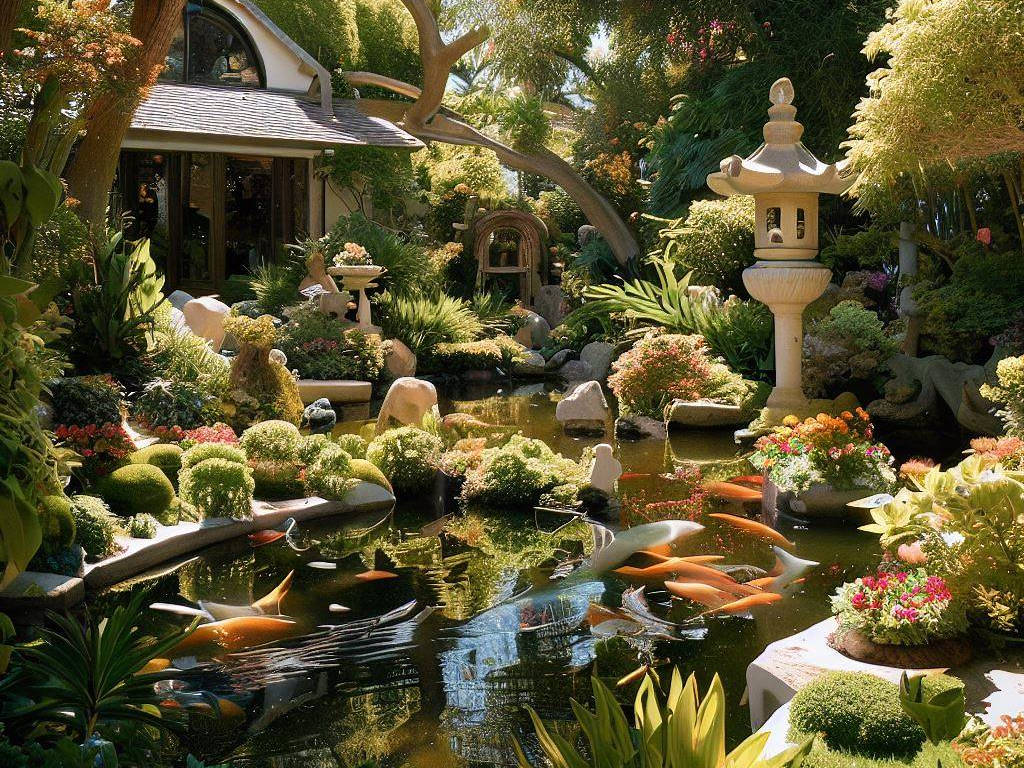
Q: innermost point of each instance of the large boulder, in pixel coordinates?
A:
(400, 360)
(408, 400)
(640, 428)
(535, 331)
(605, 470)
(560, 358)
(549, 303)
(205, 316)
(320, 417)
(584, 409)
(532, 364)
(599, 355)
(576, 370)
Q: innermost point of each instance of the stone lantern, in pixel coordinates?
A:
(785, 180)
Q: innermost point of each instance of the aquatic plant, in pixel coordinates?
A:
(408, 457)
(836, 450)
(900, 608)
(661, 368)
(90, 679)
(861, 713)
(677, 729)
(218, 488)
(137, 488)
(276, 440)
(96, 527)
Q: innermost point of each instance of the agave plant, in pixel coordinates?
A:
(89, 678)
(681, 731)
(740, 332)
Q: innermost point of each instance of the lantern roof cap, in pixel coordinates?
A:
(782, 163)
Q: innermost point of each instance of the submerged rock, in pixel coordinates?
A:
(584, 410)
(640, 428)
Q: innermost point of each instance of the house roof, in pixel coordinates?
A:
(213, 115)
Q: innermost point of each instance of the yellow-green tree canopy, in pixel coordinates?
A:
(952, 88)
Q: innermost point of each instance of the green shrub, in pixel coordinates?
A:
(870, 249)
(330, 475)
(218, 488)
(518, 473)
(408, 457)
(259, 388)
(930, 756)
(142, 527)
(659, 369)
(850, 342)
(859, 712)
(185, 404)
(185, 357)
(361, 469)
(466, 356)
(82, 400)
(319, 346)
(353, 445)
(276, 480)
(276, 440)
(1010, 393)
(166, 456)
(56, 523)
(423, 322)
(137, 488)
(96, 529)
(715, 240)
(204, 451)
(311, 446)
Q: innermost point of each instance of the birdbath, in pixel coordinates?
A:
(357, 278)
(785, 180)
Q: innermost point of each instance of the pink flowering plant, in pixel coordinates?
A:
(102, 447)
(900, 608)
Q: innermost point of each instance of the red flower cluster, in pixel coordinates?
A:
(906, 600)
(173, 434)
(218, 433)
(320, 345)
(103, 447)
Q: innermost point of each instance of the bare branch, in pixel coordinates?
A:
(383, 81)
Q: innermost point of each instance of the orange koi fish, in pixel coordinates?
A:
(747, 480)
(744, 604)
(376, 575)
(271, 602)
(705, 594)
(235, 634)
(733, 492)
(680, 567)
(762, 583)
(636, 674)
(262, 538)
(755, 528)
(703, 558)
(154, 665)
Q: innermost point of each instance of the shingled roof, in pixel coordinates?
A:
(264, 118)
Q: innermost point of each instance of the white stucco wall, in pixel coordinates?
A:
(285, 69)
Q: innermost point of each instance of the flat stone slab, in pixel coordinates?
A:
(335, 390)
(706, 415)
(174, 541)
(47, 591)
(993, 680)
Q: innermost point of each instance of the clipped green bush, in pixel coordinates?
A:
(204, 451)
(218, 488)
(481, 355)
(408, 457)
(142, 527)
(96, 528)
(330, 475)
(274, 440)
(165, 456)
(56, 522)
(519, 473)
(363, 470)
(137, 488)
(354, 445)
(859, 712)
(276, 480)
(311, 446)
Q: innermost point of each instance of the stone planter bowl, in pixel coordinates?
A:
(951, 652)
(819, 502)
(357, 276)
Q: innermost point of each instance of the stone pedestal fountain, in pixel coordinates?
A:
(785, 180)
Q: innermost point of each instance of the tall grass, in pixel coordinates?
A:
(421, 322)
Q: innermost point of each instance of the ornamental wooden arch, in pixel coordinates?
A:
(518, 258)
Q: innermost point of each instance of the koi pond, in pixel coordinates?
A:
(420, 636)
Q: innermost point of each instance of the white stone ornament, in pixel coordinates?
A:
(605, 470)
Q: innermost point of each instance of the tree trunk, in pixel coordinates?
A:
(91, 173)
(8, 18)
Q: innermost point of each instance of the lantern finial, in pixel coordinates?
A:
(782, 91)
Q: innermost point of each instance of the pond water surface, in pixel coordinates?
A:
(475, 627)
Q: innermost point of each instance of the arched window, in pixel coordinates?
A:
(211, 48)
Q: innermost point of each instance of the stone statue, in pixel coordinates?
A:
(605, 470)
(408, 400)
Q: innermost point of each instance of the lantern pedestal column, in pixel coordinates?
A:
(787, 288)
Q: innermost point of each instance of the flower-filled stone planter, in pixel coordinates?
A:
(900, 618)
(357, 272)
(818, 502)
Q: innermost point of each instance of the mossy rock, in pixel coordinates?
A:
(363, 470)
(166, 456)
(137, 489)
(57, 523)
(859, 712)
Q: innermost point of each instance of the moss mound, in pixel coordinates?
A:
(136, 489)
(165, 456)
(205, 451)
(57, 523)
(361, 469)
(861, 713)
